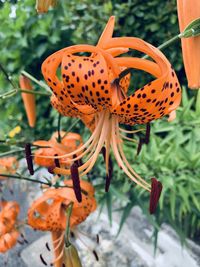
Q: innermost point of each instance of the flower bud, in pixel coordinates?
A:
(71, 258)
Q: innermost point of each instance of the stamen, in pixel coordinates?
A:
(76, 181)
(29, 159)
(51, 169)
(57, 163)
(121, 159)
(129, 139)
(141, 142)
(148, 130)
(79, 161)
(96, 255)
(145, 140)
(42, 260)
(103, 152)
(24, 239)
(110, 169)
(58, 258)
(47, 246)
(156, 189)
(20, 242)
(97, 239)
(131, 132)
(109, 175)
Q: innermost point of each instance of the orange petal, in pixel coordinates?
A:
(155, 99)
(107, 32)
(89, 77)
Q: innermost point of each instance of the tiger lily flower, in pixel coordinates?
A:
(48, 213)
(88, 87)
(8, 165)
(69, 142)
(189, 10)
(8, 222)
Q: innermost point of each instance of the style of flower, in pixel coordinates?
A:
(189, 10)
(69, 142)
(8, 222)
(48, 213)
(8, 165)
(90, 86)
(42, 6)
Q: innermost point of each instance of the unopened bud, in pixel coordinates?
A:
(71, 257)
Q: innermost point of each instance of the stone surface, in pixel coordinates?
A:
(133, 247)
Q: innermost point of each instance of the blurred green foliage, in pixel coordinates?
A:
(27, 38)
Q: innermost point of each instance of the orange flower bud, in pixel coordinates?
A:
(189, 10)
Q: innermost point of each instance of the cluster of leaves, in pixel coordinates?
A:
(27, 39)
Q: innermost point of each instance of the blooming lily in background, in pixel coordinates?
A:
(48, 213)
(90, 86)
(8, 165)
(189, 10)
(8, 225)
(68, 143)
(42, 6)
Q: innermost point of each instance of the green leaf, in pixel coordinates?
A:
(125, 214)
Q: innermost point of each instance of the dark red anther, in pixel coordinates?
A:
(109, 175)
(29, 159)
(156, 189)
(78, 161)
(57, 163)
(76, 181)
(103, 152)
(147, 135)
(51, 168)
(42, 260)
(96, 255)
(47, 246)
(97, 239)
(141, 142)
(110, 169)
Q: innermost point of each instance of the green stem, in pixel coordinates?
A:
(40, 83)
(24, 178)
(6, 75)
(11, 152)
(34, 92)
(169, 42)
(71, 127)
(67, 233)
(20, 177)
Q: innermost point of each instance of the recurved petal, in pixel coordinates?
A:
(107, 32)
(68, 109)
(155, 99)
(87, 80)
